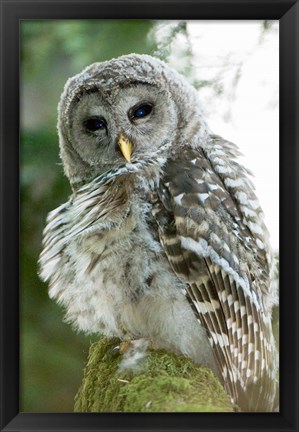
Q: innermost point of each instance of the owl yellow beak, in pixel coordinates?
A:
(126, 147)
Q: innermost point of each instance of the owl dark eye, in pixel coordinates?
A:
(94, 123)
(141, 111)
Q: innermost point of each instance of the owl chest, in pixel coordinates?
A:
(119, 276)
(120, 260)
(118, 282)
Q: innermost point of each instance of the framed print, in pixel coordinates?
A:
(143, 193)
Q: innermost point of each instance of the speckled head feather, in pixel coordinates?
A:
(108, 78)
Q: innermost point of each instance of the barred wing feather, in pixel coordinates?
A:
(212, 231)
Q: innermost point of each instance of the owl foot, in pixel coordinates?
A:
(125, 346)
(134, 352)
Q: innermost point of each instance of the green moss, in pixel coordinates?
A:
(167, 383)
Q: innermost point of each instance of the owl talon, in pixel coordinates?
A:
(125, 346)
(134, 352)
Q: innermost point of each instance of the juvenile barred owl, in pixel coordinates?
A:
(163, 237)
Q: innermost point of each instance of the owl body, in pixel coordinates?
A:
(124, 251)
(163, 237)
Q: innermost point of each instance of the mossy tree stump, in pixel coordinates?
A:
(165, 383)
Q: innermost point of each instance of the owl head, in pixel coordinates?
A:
(123, 111)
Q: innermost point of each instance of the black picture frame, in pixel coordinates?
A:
(287, 12)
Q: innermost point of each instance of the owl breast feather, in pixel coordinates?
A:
(110, 273)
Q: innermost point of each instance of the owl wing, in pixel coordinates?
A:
(211, 228)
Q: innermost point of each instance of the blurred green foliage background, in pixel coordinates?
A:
(52, 355)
